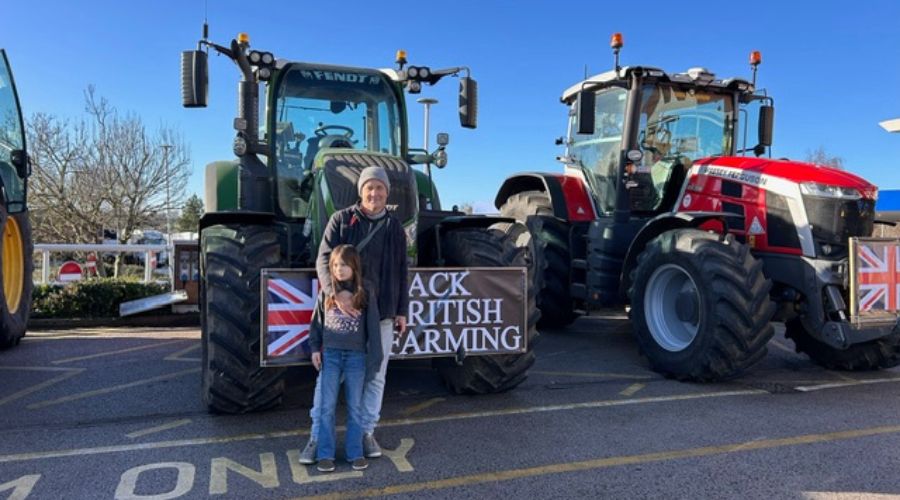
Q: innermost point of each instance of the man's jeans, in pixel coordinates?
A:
(352, 366)
(374, 389)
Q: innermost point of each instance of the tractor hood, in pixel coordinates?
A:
(795, 171)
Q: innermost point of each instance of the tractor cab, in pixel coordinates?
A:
(319, 113)
(635, 131)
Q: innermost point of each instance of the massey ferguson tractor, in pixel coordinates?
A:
(15, 253)
(297, 163)
(661, 207)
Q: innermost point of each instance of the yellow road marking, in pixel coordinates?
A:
(810, 388)
(398, 456)
(69, 373)
(20, 457)
(178, 355)
(159, 428)
(600, 463)
(631, 389)
(107, 390)
(593, 374)
(421, 406)
(112, 353)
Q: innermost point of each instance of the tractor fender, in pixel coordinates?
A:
(568, 194)
(655, 227)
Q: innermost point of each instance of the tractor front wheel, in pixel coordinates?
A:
(552, 259)
(232, 257)
(700, 306)
(501, 245)
(872, 355)
(16, 266)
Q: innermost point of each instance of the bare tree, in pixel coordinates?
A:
(104, 171)
(820, 157)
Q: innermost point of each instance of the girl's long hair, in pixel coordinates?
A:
(349, 256)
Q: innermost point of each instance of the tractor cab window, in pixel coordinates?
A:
(598, 154)
(12, 138)
(677, 127)
(321, 108)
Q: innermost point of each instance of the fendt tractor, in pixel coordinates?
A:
(267, 209)
(16, 264)
(661, 208)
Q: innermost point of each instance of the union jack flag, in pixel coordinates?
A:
(289, 309)
(879, 269)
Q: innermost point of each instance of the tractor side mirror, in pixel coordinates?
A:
(766, 124)
(20, 160)
(468, 102)
(194, 78)
(584, 109)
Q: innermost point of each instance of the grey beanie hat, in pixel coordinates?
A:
(370, 173)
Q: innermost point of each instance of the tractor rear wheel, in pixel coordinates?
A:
(872, 355)
(700, 305)
(501, 245)
(16, 266)
(552, 259)
(232, 256)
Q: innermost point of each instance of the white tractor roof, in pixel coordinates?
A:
(700, 76)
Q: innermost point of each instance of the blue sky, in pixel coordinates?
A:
(833, 68)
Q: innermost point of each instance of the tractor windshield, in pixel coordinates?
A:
(677, 127)
(12, 138)
(598, 154)
(329, 107)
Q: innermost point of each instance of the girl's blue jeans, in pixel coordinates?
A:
(352, 366)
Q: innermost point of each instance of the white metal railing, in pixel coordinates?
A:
(46, 248)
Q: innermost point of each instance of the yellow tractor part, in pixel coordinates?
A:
(13, 265)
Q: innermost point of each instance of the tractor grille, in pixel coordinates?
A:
(833, 221)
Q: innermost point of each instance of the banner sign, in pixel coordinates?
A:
(874, 279)
(452, 312)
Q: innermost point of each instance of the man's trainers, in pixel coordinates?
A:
(325, 465)
(370, 446)
(360, 464)
(308, 455)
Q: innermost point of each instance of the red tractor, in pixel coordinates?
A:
(660, 207)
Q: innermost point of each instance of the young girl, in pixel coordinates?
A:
(345, 323)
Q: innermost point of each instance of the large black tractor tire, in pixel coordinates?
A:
(872, 355)
(552, 259)
(501, 245)
(16, 267)
(700, 306)
(232, 257)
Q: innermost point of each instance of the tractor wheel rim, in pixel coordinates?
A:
(13, 268)
(661, 300)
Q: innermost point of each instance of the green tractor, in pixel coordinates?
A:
(16, 264)
(297, 163)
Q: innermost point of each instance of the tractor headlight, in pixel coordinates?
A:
(826, 191)
(440, 158)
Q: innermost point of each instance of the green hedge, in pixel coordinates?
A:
(94, 298)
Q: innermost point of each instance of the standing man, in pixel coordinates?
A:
(381, 242)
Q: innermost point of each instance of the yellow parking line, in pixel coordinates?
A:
(421, 406)
(593, 374)
(178, 355)
(107, 390)
(20, 457)
(631, 389)
(600, 463)
(70, 372)
(111, 353)
(810, 388)
(159, 428)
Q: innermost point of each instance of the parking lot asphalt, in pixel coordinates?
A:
(116, 413)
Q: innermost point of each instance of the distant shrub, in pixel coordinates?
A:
(95, 298)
